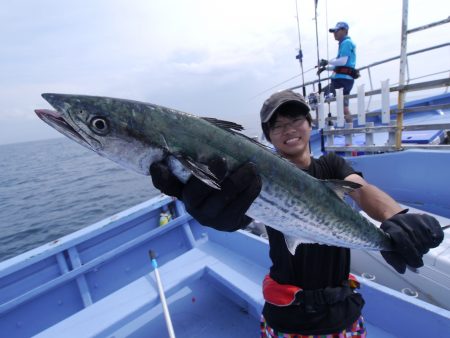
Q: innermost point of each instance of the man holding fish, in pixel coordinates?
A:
(226, 179)
(310, 292)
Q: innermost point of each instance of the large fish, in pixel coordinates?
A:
(136, 134)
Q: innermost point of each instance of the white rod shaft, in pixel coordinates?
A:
(162, 297)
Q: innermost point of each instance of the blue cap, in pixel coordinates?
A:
(339, 25)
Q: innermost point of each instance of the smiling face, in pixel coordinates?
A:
(289, 132)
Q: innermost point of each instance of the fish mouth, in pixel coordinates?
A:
(56, 120)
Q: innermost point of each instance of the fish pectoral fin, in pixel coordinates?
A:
(199, 170)
(341, 187)
(293, 242)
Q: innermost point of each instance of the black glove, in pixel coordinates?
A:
(222, 209)
(323, 63)
(321, 69)
(412, 235)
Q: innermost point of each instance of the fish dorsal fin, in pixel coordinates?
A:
(224, 124)
(293, 242)
(199, 170)
(341, 187)
(235, 127)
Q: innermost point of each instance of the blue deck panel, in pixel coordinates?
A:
(418, 178)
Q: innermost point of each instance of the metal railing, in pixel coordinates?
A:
(370, 147)
(394, 129)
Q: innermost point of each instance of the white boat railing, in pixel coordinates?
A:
(390, 145)
(327, 123)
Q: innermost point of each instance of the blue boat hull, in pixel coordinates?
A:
(98, 282)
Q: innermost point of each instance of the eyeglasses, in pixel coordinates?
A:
(278, 128)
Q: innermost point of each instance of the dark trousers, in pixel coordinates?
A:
(346, 84)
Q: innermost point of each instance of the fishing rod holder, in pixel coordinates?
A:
(390, 131)
(335, 125)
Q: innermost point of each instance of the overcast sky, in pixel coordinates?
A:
(210, 58)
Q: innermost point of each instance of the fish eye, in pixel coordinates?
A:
(99, 126)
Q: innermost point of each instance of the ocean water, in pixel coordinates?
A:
(51, 188)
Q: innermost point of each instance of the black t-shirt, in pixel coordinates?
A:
(313, 267)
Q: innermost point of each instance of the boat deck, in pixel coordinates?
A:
(198, 298)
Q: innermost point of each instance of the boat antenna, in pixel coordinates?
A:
(169, 325)
(300, 53)
(317, 42)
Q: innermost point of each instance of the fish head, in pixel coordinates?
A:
(113, 128)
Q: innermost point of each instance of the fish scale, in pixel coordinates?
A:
(136, 134)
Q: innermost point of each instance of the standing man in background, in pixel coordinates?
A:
(343, 66)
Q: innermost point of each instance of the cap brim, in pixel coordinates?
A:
(269, 115)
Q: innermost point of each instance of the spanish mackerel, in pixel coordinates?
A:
(136, 134)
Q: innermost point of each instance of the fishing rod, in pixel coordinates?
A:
(161, 295)
(326, 38)
(317, 43)
(330, 123)
(300, 53)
